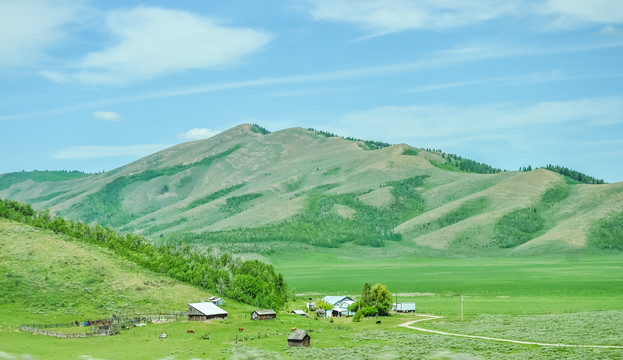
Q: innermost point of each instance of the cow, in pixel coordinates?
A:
(240, 329)
(378, 322)
(293, 329)
(191, 331)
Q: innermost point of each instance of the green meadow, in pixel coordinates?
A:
(522, 285)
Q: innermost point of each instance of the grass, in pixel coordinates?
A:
(495, 285)
(540, 299)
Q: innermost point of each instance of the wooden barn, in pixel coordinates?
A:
(299, 338)
(264, 314)
(205, 311)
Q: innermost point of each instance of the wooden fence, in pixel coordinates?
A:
(102, 327)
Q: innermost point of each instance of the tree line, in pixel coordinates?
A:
(251, 281)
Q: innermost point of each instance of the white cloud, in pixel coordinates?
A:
(573, 13)
(389, 16)
(447, 121)
(94, 151)
(150, 42)
(107, 115)
(197, 134)
(28, 27)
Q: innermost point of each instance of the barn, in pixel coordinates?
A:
(205, 311)
(299, 338)
(264, 314)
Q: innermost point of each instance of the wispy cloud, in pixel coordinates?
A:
(304, 92)
(437, 60)
(107, 115)
(29, 27)
(380, 17)
(573, 13)
(197, 134)
(517, 80)
(444, 121)
(94, 151)
(151, 41)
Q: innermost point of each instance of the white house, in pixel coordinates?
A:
(340, 305)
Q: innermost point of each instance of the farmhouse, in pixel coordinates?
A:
(299, 338)
(205, 311)
(264, 314)
(404, 307)
(340, 305)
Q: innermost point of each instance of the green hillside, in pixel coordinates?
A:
(250, 191)
(47, 276)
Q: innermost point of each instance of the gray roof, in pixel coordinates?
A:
(208, 308)
(297, 335)
(299, 312)
(335, 299)
(265, 312)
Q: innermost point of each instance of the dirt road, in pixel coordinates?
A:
(433, 317)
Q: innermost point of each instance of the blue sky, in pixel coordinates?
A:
(92, 86)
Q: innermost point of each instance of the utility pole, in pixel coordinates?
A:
(461, 307)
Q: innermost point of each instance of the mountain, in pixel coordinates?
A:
(248, 190)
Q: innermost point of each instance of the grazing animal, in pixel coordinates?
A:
(293, 329)
(190, 331)
(240, 329)
(378, 322)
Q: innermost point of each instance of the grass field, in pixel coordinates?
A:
(574, 300)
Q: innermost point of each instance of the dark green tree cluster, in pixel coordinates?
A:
(251, 282)
(607, 233)
(518, 227)
(468, 165)
(370, 144)
(374, 300)
(258, 129)
(573, 174)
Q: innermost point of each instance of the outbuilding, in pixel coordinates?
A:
(264, 314)
(205, 311)
(404, 307)
(299, 312)
(299, 338)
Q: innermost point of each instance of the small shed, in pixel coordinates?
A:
(205, 311)
(264, 314)
(299, 338)
(404, 307)
(299, 312)
(216, 301)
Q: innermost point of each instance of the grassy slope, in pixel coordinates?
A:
(44, 274)
(271, 177)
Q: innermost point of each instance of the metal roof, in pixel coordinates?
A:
(208, 308)
(299, 312)
(297, 335)
(335, 299)
(265, 312)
